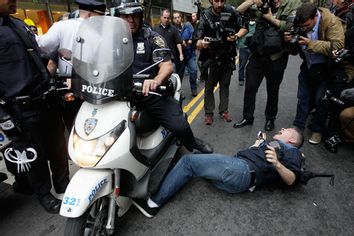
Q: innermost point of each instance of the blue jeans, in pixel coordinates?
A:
(243, 59)
(309, 96)
(191, 65)
(230, 174)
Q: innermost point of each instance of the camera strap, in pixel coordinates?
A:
(207, 19)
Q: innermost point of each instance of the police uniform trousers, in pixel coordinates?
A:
(43, 129)
(257, 68)
(219, 72)
(167, 112)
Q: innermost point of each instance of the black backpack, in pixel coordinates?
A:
(306, 175)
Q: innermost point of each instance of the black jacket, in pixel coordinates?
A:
(19, 75)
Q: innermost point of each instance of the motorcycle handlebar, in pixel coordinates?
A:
(138, 86)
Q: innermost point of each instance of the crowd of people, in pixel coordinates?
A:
(265, 36)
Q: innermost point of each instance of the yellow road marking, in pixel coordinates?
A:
(199, 107)
(194, 100)
(195, 112)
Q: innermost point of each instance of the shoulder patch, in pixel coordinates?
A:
(159, 41)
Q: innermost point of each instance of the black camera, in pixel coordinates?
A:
(297, 31)
(331, 143)
(328, 96)
(222, 29)
(341, 54)
(264, 8)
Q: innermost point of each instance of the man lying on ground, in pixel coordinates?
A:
(261, 164)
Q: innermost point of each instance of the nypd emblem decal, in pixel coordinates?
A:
(90, 125)
(140, 48)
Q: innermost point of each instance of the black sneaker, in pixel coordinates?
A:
(142, 205)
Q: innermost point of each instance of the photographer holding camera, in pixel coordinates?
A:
(269, 58)
(324, 33)
(346, 121)
(341, 125)
(220, 26)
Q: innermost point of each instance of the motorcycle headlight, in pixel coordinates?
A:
(89, 152)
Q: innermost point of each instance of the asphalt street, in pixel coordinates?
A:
(199, 209)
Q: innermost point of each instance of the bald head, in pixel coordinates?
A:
(291, 136)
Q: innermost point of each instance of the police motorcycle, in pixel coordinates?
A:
(123, 154)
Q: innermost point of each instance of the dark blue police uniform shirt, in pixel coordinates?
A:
(145, 42)
(266, 173)
(172, 36)
(18, 74)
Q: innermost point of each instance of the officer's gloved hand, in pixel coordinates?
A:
(348, 94)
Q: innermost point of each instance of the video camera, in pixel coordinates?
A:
(221, 28)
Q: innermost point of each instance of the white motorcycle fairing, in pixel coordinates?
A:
(122, 156)
(79, 195)
(107, 117)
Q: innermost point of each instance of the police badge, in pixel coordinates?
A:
(90, 125)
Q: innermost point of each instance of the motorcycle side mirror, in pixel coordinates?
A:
(161, 54)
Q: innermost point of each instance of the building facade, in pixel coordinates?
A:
(43, 13)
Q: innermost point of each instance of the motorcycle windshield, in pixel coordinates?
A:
(103, 50)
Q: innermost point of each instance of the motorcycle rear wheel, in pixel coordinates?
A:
(92, 222)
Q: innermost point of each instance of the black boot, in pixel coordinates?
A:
(50, 203)
(243, 123)
(269, 125)
(202, 146)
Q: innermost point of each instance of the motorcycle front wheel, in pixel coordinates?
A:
(92, 222)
